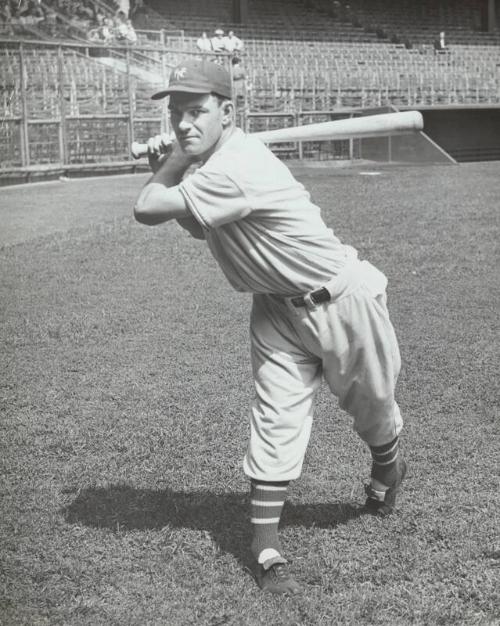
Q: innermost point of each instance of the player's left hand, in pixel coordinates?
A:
(160, 144)
(159, 148)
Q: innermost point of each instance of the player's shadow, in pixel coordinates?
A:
(224, 516)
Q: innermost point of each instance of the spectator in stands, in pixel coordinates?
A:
(217, 41)
(440, 44)
(232, 43)
(131, 36)
(123, 29)
(108, 30)
(237, 71)
(203, 43)
(103, 33)
(238, 76)
(94, 35)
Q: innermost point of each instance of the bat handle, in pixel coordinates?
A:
(138, 150)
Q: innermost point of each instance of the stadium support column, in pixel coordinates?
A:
(24, 128)
(487, 15)
(492, 17)
(63, 138)
(130, 98)
(240, 11)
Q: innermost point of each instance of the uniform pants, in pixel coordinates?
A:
(349, 341)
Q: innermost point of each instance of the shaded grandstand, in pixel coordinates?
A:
(71, 101)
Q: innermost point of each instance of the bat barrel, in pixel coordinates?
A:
(369, 126)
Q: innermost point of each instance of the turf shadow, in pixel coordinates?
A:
(122, 508)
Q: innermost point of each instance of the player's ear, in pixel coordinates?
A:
(227, 112)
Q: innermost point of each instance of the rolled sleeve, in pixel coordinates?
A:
(214, 198)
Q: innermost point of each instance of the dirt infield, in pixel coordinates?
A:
(124, 386)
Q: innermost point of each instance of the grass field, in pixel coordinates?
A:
(125, 381)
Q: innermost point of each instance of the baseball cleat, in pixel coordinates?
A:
(380, 503)
(277, 579)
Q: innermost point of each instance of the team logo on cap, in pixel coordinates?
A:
(180, 73)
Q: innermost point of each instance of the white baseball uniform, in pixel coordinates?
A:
(269, 239)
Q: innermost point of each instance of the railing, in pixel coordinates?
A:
(164, 37)
(74, 104)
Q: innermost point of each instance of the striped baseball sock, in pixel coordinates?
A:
(266, 503)
(384, 465)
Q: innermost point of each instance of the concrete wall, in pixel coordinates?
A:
(415, 148)
(467, 133)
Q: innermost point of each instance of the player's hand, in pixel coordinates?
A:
(160, 144)
(160, 147)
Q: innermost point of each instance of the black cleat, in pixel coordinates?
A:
(380, 504)
(277, 579)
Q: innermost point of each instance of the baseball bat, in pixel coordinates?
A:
(380, 125)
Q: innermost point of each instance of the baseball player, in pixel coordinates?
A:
(318, 310)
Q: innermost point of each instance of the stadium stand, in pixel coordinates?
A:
(332, 20)
(325, 54)
(421, 22)
(266, 20)
(88, 87)
(317, 75)
(65, 97)
(299, 56)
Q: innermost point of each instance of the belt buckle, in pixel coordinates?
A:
(321, 295)
(309, 303)
(312, 299)
(317, 297)
(304, 301)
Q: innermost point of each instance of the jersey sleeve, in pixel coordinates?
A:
(214, 198)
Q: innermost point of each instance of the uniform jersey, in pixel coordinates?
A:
(260, 223)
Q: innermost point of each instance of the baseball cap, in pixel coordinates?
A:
(198, 76)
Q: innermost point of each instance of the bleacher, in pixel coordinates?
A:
(269, 20)
(303, 55)
(315, 75)
(332, 20)
(323, 54)
(95, 100)
(420, 22)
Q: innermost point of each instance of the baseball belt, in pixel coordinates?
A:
(317, 297)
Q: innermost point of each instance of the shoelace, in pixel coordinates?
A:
(280, 571)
